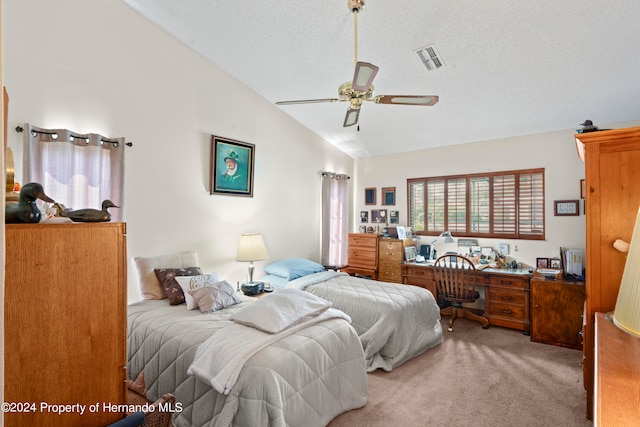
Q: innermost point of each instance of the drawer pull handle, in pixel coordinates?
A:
(506, 311)
(506, 298)
(505, 282)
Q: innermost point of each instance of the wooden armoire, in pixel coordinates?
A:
(612, 172)
(65, 323)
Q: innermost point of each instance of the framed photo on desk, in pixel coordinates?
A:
(410, 253)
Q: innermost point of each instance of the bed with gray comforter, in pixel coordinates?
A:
(395, 322)
(305, 378)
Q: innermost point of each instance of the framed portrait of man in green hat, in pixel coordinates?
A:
(231, 167)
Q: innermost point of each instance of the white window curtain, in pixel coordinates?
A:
(335, 211)
(77, 170)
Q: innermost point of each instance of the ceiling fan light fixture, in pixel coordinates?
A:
(351, 117)
(363, 76)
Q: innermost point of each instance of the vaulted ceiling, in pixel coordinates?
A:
(510, 68)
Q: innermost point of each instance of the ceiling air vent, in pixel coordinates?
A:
(430, 57)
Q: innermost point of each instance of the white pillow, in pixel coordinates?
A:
(280, 310)
(150, 287)
(188, 283)
(216, 297)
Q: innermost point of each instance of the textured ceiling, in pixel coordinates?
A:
(511, 67)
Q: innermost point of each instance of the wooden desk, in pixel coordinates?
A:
(506, 293)
(617, 376)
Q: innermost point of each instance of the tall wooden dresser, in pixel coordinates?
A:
(612, 171)
(65, 322)
(363, 255)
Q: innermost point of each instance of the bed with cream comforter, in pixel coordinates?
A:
(394, 322)
(306, 377)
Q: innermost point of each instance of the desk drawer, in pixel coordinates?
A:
(500, 296)
(509, 311)
(509, 282)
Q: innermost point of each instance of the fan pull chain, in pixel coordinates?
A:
(355, 38)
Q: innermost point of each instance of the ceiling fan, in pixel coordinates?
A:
(361, 88)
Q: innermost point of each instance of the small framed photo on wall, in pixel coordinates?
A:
(369, 196)
(388, 196)
(364, 216)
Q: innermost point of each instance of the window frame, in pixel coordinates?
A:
(521, 196)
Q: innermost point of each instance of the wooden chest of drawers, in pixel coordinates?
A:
(390, 257)
(363, 255)
(507, 302)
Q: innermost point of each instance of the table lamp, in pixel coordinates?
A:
(251, 248)
(626, 315)
(444, 240)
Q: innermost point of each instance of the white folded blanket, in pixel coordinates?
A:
(219, 360)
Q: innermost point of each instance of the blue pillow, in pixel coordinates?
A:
(292, 268)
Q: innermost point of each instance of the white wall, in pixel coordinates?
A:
(554, 151)
(100, 67)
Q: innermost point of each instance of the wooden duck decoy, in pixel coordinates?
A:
(89, 215)
(25, 210)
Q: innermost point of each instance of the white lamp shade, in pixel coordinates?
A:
(251, 248)
(627, 312)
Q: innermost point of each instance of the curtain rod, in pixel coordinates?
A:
(20, 129)
(325, 174)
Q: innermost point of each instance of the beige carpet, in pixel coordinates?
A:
(478, 377)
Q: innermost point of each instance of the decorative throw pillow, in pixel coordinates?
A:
(280, 310)
(149, 285)
(292, 268)
(188, 283)
(167, 278)
(215, 297)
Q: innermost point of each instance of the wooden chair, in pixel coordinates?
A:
(156, 416)
(456, 279)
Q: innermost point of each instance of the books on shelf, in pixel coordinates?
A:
(572, 261)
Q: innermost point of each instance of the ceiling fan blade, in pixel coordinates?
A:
(351, 118)
(307, 101)
(363, 76)
(406, 99)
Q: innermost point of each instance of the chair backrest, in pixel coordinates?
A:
(160, 415)
(456, 278)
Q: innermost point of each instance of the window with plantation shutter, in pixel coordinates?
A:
(480, 205)
(457, 205)
(498, 204)
(415, 190)
(504, 205)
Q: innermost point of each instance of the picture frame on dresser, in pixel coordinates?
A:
(410, 253)
(542, 262)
